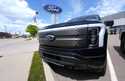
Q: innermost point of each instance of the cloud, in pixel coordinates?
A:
(15, 15)
(107, 7)
(77, 6)
(41, 24)
(76, 9)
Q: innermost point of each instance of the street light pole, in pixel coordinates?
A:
(35, 18)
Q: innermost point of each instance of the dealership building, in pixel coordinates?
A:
(119, 20)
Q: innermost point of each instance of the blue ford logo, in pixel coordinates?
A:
(50, 37)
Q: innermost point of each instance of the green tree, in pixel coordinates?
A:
(32, 29)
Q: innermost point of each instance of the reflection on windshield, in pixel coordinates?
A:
(86, 18)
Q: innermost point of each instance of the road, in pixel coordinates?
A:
(115, 69)
(15, 46)
(16, 57)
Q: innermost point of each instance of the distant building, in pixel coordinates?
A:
(5, 35)
(119, 22)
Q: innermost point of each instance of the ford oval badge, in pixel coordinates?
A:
(50, 37)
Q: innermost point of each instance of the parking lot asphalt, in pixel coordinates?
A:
(115, 66)
(117, 57)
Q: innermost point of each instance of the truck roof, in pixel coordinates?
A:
(90, 19)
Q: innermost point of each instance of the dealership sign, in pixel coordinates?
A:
(53, 9)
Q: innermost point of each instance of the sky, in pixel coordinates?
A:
(15, 15)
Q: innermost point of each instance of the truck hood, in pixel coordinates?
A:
(71, 24)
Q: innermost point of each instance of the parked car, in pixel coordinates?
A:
(80, 43)
(122, 40)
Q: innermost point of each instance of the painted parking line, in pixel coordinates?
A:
(111, 68)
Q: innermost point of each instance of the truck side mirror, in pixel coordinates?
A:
(109, 23)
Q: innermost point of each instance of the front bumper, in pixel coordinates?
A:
(83, 58)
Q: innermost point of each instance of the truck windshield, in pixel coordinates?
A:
(86, 18)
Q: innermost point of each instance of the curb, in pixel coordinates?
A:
(48, 72)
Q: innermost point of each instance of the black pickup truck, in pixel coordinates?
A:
(80, 43)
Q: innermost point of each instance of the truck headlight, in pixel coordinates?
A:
(93, 33)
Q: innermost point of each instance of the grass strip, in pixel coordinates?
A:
(37, 70)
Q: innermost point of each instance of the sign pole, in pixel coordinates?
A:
(55, 21)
